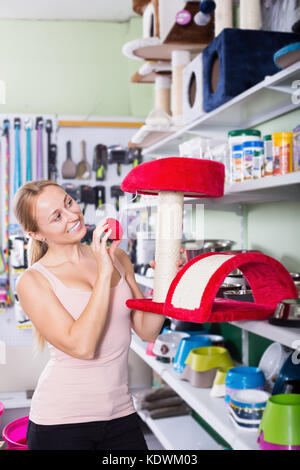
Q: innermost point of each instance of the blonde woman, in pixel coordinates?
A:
(75, 295)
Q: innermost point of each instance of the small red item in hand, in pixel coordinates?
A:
(116, 229)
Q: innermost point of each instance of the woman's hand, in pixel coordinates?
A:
(105, 256)
(179, 263)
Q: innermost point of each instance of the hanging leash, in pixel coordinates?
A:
(17, 169)
(28, 127)
(39, 151)
(6, 127)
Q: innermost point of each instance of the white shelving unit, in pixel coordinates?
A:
(191, 436)
(212, 410)
(273, 97)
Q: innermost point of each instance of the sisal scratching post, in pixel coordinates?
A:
(179, 61)
(168, 241)
(250, 14)
(223, 15)
(163, 93)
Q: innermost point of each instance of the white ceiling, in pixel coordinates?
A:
(103, 10)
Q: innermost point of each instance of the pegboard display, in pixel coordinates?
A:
(36, 147)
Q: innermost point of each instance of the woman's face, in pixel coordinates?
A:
(59, 217)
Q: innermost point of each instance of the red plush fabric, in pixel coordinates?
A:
(270, 283)
(192, 176)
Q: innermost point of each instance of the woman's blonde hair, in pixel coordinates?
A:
(24, 207)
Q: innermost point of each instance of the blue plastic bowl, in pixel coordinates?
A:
(243, 377)
(184, 348)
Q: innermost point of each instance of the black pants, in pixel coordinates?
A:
(117, 434)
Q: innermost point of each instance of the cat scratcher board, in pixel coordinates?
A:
(238, 59)
(193, 90)
(192, 293)
(171, 179)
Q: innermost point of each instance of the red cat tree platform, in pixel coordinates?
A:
(190, 294)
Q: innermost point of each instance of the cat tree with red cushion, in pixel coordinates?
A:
(190, 294)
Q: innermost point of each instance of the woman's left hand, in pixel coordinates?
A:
(179, 263)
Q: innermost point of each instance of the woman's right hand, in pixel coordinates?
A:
(103, 255)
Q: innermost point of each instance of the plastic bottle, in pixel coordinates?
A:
(253, 153)
(282, 153)
(268, 156)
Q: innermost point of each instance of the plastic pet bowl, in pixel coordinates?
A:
(185, 346)
(218, 386)
(209, 357)
(14, 434)
(243, 377)
(289, 371)
(202, 379)
(280, 424)
(271, 363)
(247, 407)
(166, 344)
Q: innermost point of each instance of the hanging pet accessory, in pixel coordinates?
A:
(17, 169)
(100, 162)
(39, 147)
(119, 155)
(28, 129)
(51, 152)
(6, 295)
(116, 192)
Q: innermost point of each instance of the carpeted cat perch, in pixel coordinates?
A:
(190, 294)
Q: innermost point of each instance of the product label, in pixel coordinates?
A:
(237, 167)
(282, 159)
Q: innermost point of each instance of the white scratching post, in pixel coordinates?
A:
(163, 93)
(223, 15)
(168, 241)
(179, 61)
(250, 14)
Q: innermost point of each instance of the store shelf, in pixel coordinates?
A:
(271, 98)
(289, 337)
(268, 189)
(180, 433)
(212, 410)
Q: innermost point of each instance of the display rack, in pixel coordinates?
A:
(212, 410)
(273, 97)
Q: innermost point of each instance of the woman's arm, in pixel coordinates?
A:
(146, 325)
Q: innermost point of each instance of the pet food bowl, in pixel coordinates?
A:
(216, 340)
(218, 386)
(243, 295)
(243, 377)
(166, 344)
(290, 371)
(228, 287)
(185, 346)
(287, 55)
(149, 349)
(209, 357)
(271, 363)
(280, 425)
(287, 313)
(14, 434)
(247, 406)
(1, 410)
(200, 379)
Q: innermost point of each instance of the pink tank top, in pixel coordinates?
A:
(72, 390)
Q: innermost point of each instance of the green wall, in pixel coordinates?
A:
(70, 67)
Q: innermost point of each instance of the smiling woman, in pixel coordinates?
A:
(75, 295)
